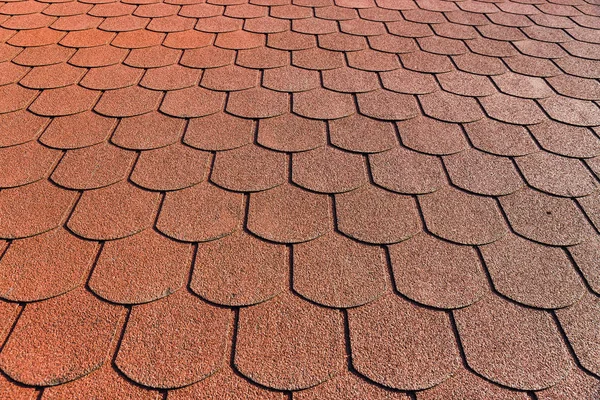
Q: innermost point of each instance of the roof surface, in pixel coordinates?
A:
(307, 199)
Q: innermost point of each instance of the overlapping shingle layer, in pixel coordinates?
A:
(307, 199)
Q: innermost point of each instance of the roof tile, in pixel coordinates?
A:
(11, 73)
(171, 77)
(354, 274)
(374, 215)
(93, 167)
(301, 215)
(350, 80)
(558, 221)
(190, 39)
(25, 163)
(42, 55)
(237, 388)
(492, 48)
(576, 385)
(466, 384)
(387, 105)
(10, 312)
(572, 86)
(257, 103)
(479, 64)
(384, 333)
(314, 26)
(290, 79)
(461, 217)
(450, 107)
(291, 133)
(20, 127)
(22, 8)
(13, 390)
(328, 170)
(266, 25)
(174, 342)
(289, 40)
(416, 134)
(323, 104)
(513, 110)
(557, 175)
(437, 273)
(466, 84)
(529, 355)
(499, 138)
(153, 57)
(123, 23)
(536, 48)
(585, 256)
(579, 67)
(128, 102)
(141, 268)
(348, 134)
(52, 76)
(455, 31)
(289, 344)
(100, 56)
(14, 98)
(240, 270)
(238, 40)
(200, 213)
(45, 266)
(77, 130)
(156, 10)
(219, 23)
(572, 111)
(550, 281)
(148, 131)
(566, 140)
(192, 102)
(219, 131)
(113, 212)
(334, 12)
(172, 23)
(138, 39)
(522, 86)
(230, 78)
(261, 58)
(342, 42)
(532, 66)
(60, 340)
(317, 59)
(346, 385)
(87, 38)
(171, 167)
(64, 101)
(249, 168)
(207, 57)
(405, 171)
(421, 61)
(111, 77)
(483, 173)
(111, 9)
(200, 10)
(36, 37)
(33, 209)
(591, 206)
(105, 381)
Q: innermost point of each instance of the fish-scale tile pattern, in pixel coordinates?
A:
(308, 199)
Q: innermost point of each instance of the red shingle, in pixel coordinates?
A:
(286, 197)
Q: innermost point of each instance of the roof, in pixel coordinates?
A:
(307, 199)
